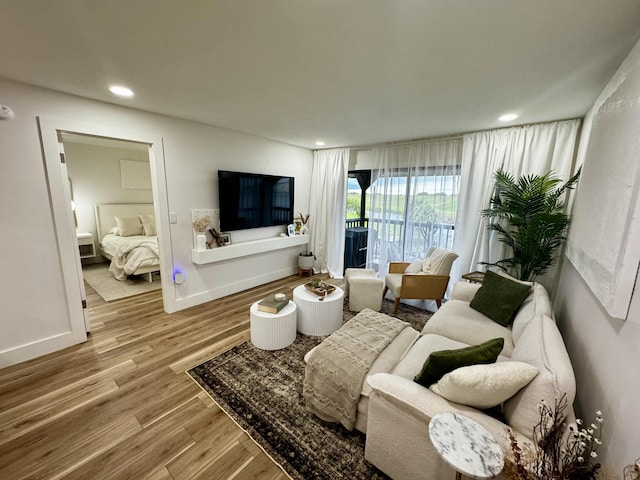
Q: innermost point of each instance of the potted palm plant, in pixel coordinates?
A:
(528, 215)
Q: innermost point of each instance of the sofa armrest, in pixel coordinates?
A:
(464, 291)
(411, 397)
(397, 428)
(422, 404)
(398, 267)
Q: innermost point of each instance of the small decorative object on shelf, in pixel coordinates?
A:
(304, 229)
(562, 454)
(632, 472)
(200, 225)
(217, 238)
(271, 304)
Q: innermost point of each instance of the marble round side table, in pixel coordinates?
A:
(317, 315)
(466, 446)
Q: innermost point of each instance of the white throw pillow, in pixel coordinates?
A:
(485, 386)
(415, 267)
(148, 224)
(437, 260)
(426, 265)
(129, 226)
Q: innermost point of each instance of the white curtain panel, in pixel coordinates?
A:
(327, 221)
(412, 200)
(528, 150)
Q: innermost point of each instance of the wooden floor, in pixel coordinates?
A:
(121, 406)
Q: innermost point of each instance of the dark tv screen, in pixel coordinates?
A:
(251, 200)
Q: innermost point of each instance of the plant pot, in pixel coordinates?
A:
(306, 261)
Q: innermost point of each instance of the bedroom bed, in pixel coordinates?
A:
(127, 236)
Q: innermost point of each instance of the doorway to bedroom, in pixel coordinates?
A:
(113, 212)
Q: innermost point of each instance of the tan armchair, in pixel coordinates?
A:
(421, 286)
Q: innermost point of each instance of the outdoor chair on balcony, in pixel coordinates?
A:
(421, 280)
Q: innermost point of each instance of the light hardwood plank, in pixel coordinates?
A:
(121, 405)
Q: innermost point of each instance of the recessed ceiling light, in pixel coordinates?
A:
(320, 143)
(507, 117)
(121, 91)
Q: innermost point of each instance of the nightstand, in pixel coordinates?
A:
(85, 245)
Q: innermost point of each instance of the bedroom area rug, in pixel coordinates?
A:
(262, 393)
(103, 282)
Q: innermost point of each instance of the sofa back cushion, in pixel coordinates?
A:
(536, 304)
(542, 346)
(457, 321)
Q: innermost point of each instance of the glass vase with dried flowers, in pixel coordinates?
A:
(200, 226)
(563, 452)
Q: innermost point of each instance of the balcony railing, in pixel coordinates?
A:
(357, 222)
(417, 237)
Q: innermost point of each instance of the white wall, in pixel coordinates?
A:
(31, 289)
(605, 351)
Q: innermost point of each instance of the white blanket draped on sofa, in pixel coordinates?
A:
(338, 366)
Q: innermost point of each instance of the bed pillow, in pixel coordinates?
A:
(444, 361)
(148, 224)
(485, 386)
(499, 298)
(129, 226)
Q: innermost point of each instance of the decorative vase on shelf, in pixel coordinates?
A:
(201, 242)
(304, 230)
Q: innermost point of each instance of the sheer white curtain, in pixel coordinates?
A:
(529, 150)
(328, 199)
(413, 199)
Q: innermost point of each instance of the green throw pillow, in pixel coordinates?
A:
(499, 298)
(444, 361)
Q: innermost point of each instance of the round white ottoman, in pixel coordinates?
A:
(318, 317)
(273, 331)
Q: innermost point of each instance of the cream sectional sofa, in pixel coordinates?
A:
(394, 411)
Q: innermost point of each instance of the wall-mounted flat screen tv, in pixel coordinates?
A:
(251, 200)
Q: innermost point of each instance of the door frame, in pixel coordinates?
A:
(60, 197)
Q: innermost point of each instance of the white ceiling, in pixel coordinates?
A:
(348, 72)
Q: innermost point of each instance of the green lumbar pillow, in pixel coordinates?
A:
(444, 361)
(499, 297)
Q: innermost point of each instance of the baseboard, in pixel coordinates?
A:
(232, 288)
(22, 353)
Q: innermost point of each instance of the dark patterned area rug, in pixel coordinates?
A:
(262, 392)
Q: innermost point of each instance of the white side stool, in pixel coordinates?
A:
(273, 331)
(318, 316)
(364, 289)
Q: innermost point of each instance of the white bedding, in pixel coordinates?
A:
(130, 254)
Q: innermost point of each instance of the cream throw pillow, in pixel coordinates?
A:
(148, 224)
(485, 386)
(128, 226)
(415, 267)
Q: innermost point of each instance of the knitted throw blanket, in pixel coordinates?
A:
(337, 368)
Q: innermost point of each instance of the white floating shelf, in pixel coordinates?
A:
(244, 249)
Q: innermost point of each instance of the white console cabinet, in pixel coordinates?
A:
(244, 249)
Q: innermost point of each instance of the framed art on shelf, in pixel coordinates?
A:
(226, 238)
